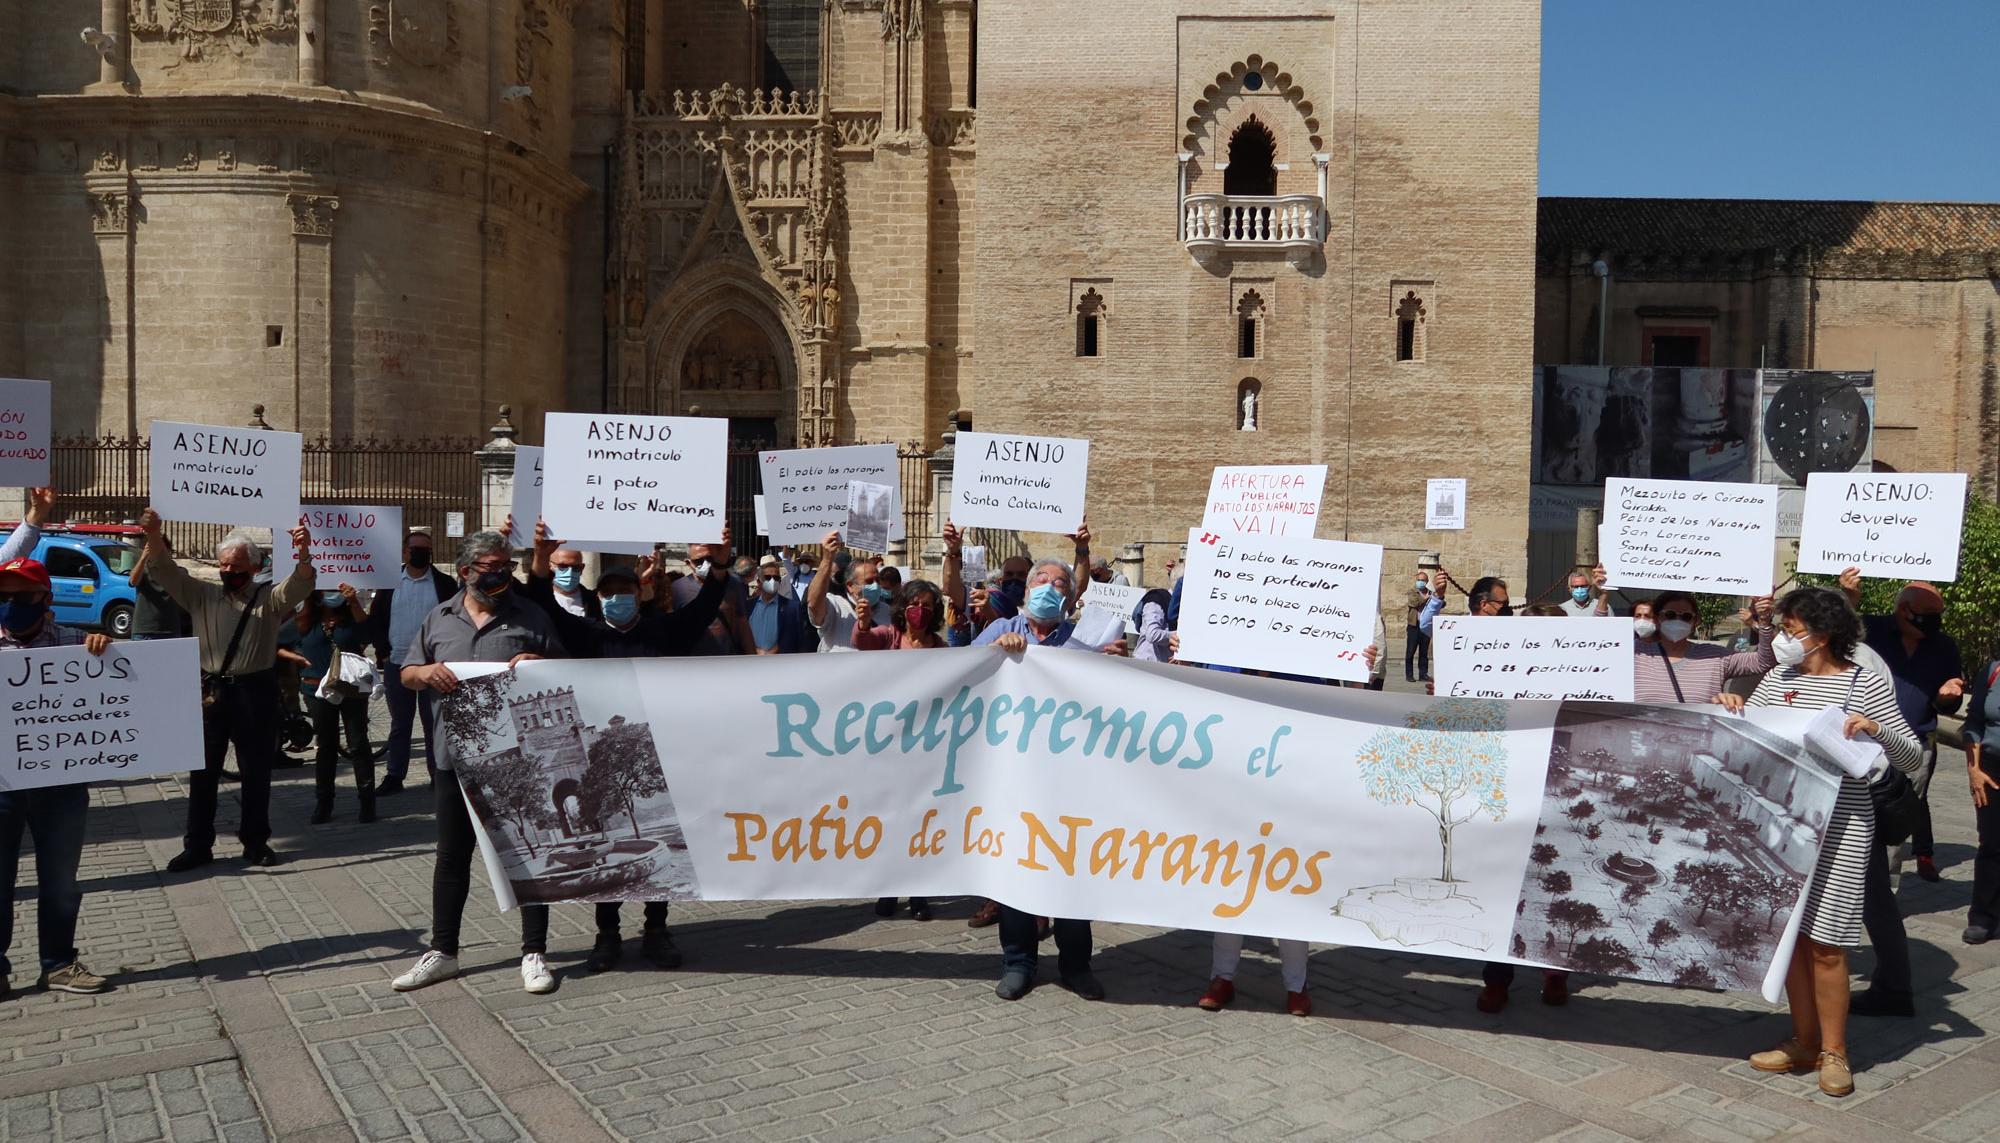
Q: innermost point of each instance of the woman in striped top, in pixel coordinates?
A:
(1815, 670)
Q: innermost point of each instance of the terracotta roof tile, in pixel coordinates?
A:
(1670, 225)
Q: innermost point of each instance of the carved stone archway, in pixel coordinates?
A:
(721, 340)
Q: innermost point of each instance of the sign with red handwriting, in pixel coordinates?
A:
(1264, 499)
(358, 544)
(25, 426)
(1301, 607)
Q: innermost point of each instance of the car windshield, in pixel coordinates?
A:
(120, 558)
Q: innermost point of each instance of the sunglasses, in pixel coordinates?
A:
(1687, 615)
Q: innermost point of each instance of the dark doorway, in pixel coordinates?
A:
(1676, 349)
(1252, 151)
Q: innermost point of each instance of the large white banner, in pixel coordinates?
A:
(1031, 484)
(1897, 525)
(25, 428)
(805, 489)
(359, 544)
(1298, 606)
(613, 478)
(1664, 843)
(216, 474)
(72, 716)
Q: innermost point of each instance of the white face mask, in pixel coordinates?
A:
(1675, 630)
(770, 586)
(1790, 650)
(1643, 628)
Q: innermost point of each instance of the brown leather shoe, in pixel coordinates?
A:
(1835, 1077)
(1790, 1056)
(986, 914)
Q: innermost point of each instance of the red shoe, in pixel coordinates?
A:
(1299, 1003)
(1555, 989)
(1492, 998)
(986, 914)
(1220, 993)
(1927, 869)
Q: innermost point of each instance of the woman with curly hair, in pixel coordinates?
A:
(1816, 669)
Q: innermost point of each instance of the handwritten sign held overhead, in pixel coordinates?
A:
(1695, 535)
(1898, 525)
(805, 489)
(613, 478)
(215, 474)
(77, 717)
(359, 544)
(527, 495)
(1264, 499)
(25, 426)
(1508, 657)
(1030, 484)
(1303, 607)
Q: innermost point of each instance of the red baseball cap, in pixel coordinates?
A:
(31, 569)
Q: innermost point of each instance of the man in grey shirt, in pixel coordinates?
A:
(486, 622)
(236, 624)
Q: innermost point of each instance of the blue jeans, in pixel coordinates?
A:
(53, 816)
(1020, 950)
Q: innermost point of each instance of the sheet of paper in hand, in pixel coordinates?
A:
(1030, 484)
(805, 489)
(1897, 525)
(1860, 757)
(217, 474)
(1119, 598)
(25, 426)
(1692, 534)
(1444, 504)
(868, 509)
(972, 564)
(1509, 657)
(1303, 607)
(77, 717)
(358, 544)
(639, 480)
(1097, 627)
(527, 506)
(1264, 499)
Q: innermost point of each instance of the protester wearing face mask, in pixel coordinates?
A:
(329, 624)
(1816, 670)
(566, 579)
(236, 624)
(625, 630)
(395, 616)
(1644, 628)
(830, 595)
(917, 622)
(1671, 668)
(52, 816)
(1586, 594)
(486, 622)
(1013, 581)
(1416, 641)
(1925, 667)
(777, 622)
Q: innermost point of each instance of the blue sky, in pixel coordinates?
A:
(1840, 99)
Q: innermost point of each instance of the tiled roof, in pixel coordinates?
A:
(1691, 225)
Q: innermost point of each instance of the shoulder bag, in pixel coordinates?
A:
(212, 684)
(1897, 804)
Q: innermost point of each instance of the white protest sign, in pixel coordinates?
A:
(805, 489)
(358, 544)
(1696, 535)
(613, 477)
(1303, 607)
(25, 426)
(214, 474)
(77, 717)
(763, 520)
(1121, 598)
(972, 566)
(1444, 504)
(1897, 525)
(1264, 499)
(867, 523)
(1029, 484)
(527, 495)
(1507, 657)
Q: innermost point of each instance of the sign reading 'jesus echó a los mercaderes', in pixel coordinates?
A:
(1029, 484)
(71, 716)
(214, 474)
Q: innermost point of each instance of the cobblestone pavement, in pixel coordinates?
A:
(254, 1004)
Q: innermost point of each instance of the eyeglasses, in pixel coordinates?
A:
(487, 566)
(1687, 615)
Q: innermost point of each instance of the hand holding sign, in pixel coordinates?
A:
(1030, 484)
(1897, 525)
(1513, 658)
(216, 474)
(1302, 607)
(1692, 534)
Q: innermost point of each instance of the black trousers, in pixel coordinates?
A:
(451, 876)
(607, 917)
(1921, 842)
(244, 715)
(1985, 912)
(328, 719)
(1884, 922)
(1501, 975)
(1416, 649)
(1020, 950)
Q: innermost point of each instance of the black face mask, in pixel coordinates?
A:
(1927, 625)
(420, 558)
(235, 581)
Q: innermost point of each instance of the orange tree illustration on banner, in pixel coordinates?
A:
(1450, 762)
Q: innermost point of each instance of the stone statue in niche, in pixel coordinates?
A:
(734, 354)
(1249, 410)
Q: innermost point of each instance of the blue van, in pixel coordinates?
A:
(91, 577)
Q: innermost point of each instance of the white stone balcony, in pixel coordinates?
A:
(1215, 224)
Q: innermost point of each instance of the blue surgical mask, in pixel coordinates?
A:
(21, 616)
(332, 599)
(1045, 602)
(619, 609)
(874, 593)
(566, 578)
(1580, 594)
(1423, 585)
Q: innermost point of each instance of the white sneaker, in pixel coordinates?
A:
(535, 974)
(430, 968)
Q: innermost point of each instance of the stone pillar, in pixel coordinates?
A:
(312, 41)
(655, 33)
(940, 464)
(496, 474)
(312, 312)
(112, 21)
(110, 198)
(1587, 555)
(1131, 563)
